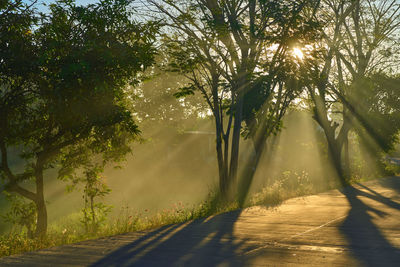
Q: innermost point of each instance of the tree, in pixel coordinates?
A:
(356, 46)
(369, 47)
(233, 53)
(74, 113)
(17, 52)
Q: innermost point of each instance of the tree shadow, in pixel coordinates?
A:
(366, 242)
(204, 242)
(391, 183)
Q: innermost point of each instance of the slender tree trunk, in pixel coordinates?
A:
(221, 170)
(220, 140)
(223, 181)
(226, 163)
(220, 156)
(233, 168)
(346, 156)
(94, 226)
(85, 215)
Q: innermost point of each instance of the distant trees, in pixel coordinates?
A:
(154, 102)
(236, 54)
(63, 90)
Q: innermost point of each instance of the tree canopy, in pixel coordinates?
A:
(67, 105)
(237, 55)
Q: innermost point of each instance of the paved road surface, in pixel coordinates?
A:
(355, 227)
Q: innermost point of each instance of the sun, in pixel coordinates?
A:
(298, 53)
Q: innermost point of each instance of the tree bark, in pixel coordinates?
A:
(233, 168)
(221, 141)
(336, 159)
(335, 149)
(41, 224)
(346, 167)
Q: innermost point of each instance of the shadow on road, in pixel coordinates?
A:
(204, 242)
(366, 242)
(392, 183)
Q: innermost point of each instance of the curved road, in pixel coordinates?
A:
(358, 226)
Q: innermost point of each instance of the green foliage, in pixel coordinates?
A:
(237, 55)
(155, 103)
(22, 213)
(185, 91)
(94, 214)
(377, 102)
(64, 99)
(393, 169)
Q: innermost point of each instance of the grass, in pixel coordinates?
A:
(288, 185)
(71, 230)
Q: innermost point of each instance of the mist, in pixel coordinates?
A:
(171, 166)
(178, 165)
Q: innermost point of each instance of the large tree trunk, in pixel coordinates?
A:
(336, 159)
(343, 142)
(335, 145)
(335, 149)
(41, 224)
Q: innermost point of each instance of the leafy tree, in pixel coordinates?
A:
(233, 53)
(73, 111)
(16, 73)
(356, 47)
